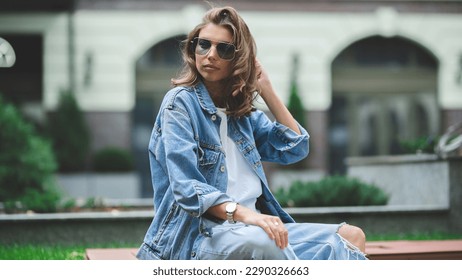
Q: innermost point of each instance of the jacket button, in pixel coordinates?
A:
(193, 254)
(214, 117)
(222, 168)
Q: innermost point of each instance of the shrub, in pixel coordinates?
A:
(112, 159)
(419, 145)
(70, 135)
(331, 191)
(41, 201)
(27, 163)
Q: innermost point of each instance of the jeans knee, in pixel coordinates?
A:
(354, 235)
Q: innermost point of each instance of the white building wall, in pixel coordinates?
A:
(319, 38)
(116, 39)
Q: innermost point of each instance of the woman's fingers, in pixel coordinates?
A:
(272, 225)
(277, 232)
(282, 235)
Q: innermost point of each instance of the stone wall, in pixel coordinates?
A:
(409, 179)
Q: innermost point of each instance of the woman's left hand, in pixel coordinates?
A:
(272, 225)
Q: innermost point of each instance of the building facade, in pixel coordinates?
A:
(370, 73)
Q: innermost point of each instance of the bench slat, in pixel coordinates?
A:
(415, 250)
(111, 254)
(377, 250)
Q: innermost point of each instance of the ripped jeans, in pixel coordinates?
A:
(307, 241)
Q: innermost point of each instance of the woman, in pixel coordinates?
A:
(211, 195)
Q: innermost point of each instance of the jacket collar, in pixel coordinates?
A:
(204, 98)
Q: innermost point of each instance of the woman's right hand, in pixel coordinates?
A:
(272, 100)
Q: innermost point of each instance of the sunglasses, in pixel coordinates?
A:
(202, 46)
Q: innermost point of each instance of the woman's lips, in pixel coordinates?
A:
(209, 67)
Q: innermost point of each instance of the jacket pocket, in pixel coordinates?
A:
(208, 162)
(207, 156)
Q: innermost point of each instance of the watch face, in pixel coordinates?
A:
(231, 207)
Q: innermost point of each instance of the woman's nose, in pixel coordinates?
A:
(213, 52)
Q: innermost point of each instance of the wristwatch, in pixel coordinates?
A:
(230, 209)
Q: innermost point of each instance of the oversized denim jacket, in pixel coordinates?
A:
(189, 173)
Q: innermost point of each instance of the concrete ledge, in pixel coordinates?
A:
(130, 226)
(421, 179)
(393, 159)
(108, 185)
(116, 214)
(364, 209)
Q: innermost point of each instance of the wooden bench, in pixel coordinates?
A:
(377, 250)
(111, 254)
(415, 250)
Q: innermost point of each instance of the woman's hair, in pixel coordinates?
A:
(243, 80)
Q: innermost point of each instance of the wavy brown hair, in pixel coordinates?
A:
(243, 80)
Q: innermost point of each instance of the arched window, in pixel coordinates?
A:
(154, 70)
(383, 92)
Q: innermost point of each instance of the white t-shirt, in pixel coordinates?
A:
(244, 186)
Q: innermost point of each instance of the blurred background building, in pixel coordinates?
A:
(370, 73)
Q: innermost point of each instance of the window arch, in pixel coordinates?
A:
(154, 70)
(385, 90)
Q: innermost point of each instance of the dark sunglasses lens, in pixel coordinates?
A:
(203, 46)
(226, 51)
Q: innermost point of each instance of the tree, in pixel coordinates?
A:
(70, 135)
(295, 105)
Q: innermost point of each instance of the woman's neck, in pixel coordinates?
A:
(217, 91)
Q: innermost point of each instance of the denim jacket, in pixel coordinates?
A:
(189, 173)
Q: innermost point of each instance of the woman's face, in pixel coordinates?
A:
(211, 67)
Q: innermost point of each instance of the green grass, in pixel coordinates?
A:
(35, 252)
(51, 252)
(77, 252)
(414, 236)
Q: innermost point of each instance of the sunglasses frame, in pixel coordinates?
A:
(195, 42)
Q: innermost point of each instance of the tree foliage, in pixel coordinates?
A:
(27, 163)
(70, 134)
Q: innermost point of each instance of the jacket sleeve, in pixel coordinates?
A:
(278, 143)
